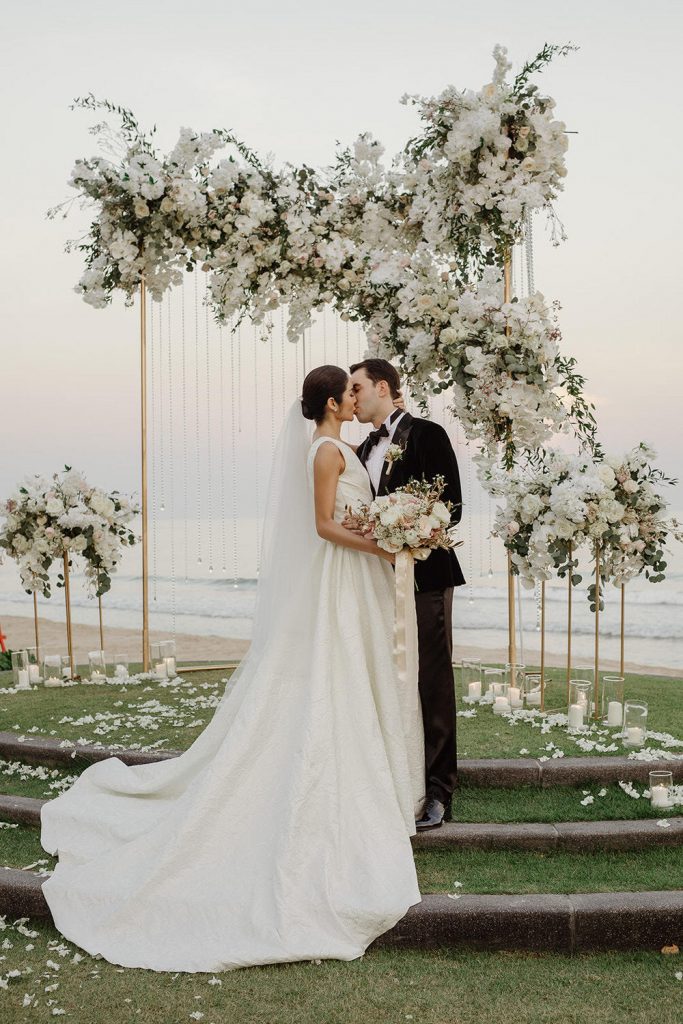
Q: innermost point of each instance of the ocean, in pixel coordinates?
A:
(185, 598)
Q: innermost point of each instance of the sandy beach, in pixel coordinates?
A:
(192, 649)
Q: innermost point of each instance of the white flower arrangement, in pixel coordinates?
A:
(567, 502)
(393, 248)
(43, 520)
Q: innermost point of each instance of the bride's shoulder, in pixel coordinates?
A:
(326, 450)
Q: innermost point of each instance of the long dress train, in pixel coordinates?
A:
(283, 832)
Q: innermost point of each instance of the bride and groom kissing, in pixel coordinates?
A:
(283, 832)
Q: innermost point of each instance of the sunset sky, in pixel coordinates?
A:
(291, 79)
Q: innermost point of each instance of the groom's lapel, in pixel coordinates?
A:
(400, 437)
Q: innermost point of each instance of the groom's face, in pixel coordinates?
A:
(368, 398)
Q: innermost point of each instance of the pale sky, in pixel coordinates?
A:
(292, 79)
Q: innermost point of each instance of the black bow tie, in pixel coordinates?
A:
(374, 435)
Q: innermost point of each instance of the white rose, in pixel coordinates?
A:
(54, 507)
(630, 486)
(606, 475)
(441, 512)
(426, 525)
(390, 516)
(512, 528)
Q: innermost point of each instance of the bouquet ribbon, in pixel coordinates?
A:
(407, 663)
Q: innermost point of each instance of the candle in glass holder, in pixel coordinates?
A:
(515, 697)
(97, 677)
(501, 706)
(659, 796)
(121, 671)
(33, 673)
(634, 736)
(160, 670)
(474, 690)
(170, 667)
(533, 697)
(615, 713)
(23, 679)
(575, 716)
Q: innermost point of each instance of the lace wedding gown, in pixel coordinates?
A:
(282, 833)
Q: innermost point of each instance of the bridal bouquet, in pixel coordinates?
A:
(413, 517)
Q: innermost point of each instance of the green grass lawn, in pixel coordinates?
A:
(172, 718)
(423, 987)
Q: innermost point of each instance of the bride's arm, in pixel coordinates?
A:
(327, 466)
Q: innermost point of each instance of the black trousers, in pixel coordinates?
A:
(437, 690)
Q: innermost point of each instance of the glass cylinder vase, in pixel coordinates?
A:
(34, 675)
(494, 682)
(532, 689)
(97, 668)
(52, 670)
(20, 674)
(612, 701)
(661, 790)
(471, 678)
(168, 657)
(635, 723)
(579, 710)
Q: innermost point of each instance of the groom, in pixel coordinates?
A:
(427, 453)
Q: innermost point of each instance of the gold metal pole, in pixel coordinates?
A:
(596, 682)
(569, 619)
(67, 600)
(143, 457)
(99, 602)
(35, 625)
(512, 639)
(542, 645)
(621, 648)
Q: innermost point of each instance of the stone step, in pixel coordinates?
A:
(573, 923)
(492, 772)
(570, 836)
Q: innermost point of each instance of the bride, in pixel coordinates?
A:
(283, 832)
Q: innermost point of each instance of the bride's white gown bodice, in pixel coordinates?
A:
(282, 833)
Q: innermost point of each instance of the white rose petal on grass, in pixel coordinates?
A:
(524, 751)
(215, 981)
(587, 800)
(678, 975)
(197, 1015)
(602, 792)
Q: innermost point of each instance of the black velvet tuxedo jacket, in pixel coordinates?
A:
(427, 453)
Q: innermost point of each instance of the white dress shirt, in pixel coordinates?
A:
(375, 459)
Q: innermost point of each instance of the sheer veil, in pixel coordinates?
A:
(284, 602)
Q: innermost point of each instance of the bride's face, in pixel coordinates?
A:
(346, 410)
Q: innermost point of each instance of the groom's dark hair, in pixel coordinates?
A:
(380, 369)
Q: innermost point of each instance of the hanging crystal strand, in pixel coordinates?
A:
(196, 419)
(470, 558)
(283, 374)
(520, 621)
(209, 488)
(324, 335)
(490, 538)
(348, 349)
(152, 439)
(336, 338)
(186, 510)
(271, 361)
(529, 249)
(537, 599)
(160, 376)
(233, 457)
(221, 345)
(239, 377)
(256, 458)
(171, 476)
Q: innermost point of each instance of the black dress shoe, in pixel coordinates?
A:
(432, 816)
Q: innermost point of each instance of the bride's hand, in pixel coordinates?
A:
(400, 402)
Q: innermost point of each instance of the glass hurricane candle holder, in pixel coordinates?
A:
(612, 701)
(20, 674)
(97, 668)
(494, 681)
(68, 670)
(168, 656)
(531, 693)
(121, 668)
(52, 670)
(635, 723)
(661, 790)
(34, 675)
(501, 701)
(579, 710)
(157, 666)
(471, 678)
(515, 680)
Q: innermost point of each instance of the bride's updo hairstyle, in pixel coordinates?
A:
(320, 384)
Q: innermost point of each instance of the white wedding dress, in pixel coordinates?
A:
(282, 833)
